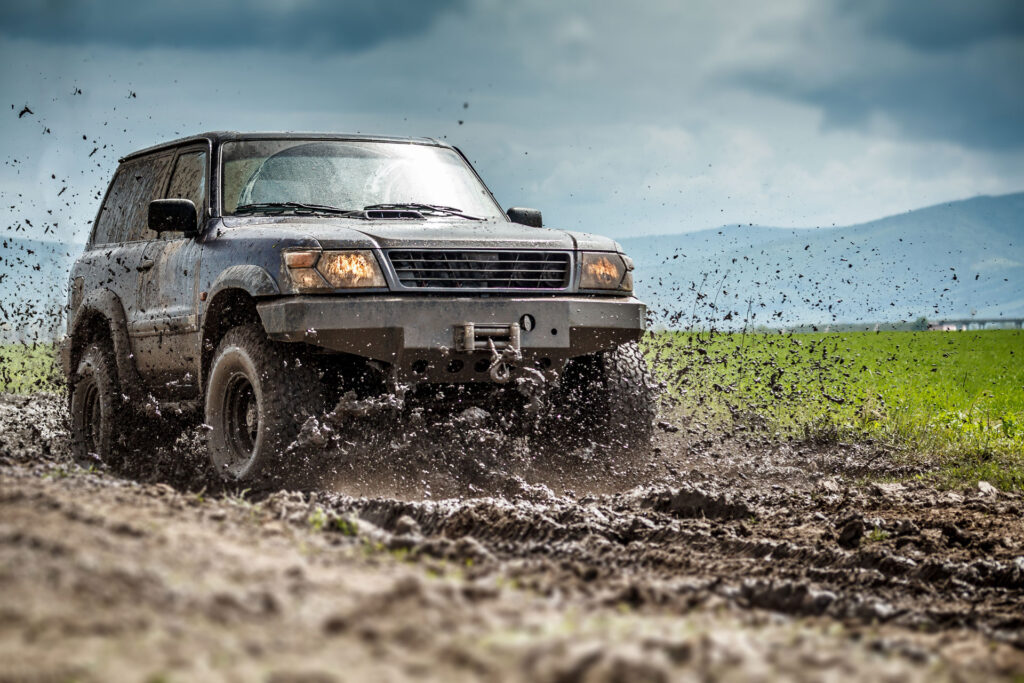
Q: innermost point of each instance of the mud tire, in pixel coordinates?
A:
(258, 395)
(606, 399)
(97, 416)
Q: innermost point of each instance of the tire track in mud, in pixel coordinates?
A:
(708, 524)
(93, 568)
(633, 549)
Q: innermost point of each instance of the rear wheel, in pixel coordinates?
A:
(258, 395)
(94, 406)
(607, 399)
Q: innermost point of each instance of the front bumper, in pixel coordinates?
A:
(418, 335)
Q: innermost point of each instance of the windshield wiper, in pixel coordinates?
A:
(292, 206)
(431, 208)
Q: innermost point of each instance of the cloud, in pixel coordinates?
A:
(626, 120)
(946, 71)
(294, 25)
(939, 24)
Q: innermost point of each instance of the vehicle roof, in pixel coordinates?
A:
(216, 137)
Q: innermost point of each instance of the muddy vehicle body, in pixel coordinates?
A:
(260, 277)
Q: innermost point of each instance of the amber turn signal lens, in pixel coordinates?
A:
(306, 279)
(300, 259)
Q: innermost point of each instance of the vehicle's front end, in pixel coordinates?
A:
(462, 314)
(443, 289)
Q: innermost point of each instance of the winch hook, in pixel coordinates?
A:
(500, 372)
(501, 363)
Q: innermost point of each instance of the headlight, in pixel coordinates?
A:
(345, 269)
(606, 270)
(313, 270)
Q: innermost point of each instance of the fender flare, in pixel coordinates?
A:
(253, 280)
(105, 303)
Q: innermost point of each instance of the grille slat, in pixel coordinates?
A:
(446, 279)
(467, 269)
(395, 258)
(448, 270)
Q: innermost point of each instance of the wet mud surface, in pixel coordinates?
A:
(450, 550)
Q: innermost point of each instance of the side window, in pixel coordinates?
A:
(148, 178)
(188, 181)
(125, 211)
(111, 220)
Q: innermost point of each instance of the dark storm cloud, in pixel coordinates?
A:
(331, 26)
(937, 69)
(940, 24)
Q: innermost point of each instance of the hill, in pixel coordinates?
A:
(949, 260)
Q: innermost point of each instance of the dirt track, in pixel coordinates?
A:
(723, 558)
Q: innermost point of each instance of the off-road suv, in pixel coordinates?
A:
(263, 276)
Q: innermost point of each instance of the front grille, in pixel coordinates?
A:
(458, 269)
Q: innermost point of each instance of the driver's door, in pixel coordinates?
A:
(167, 327)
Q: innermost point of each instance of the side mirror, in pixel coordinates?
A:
(173, 215)
(529, 217)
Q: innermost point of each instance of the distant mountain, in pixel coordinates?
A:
(950, 260)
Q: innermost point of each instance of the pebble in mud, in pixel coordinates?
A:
(406, 525)
(987, 489)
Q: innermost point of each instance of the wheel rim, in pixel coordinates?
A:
(242, 421)
(92, 417)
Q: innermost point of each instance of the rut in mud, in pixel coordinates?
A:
(696, 527)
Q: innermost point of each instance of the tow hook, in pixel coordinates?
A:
(502, 363)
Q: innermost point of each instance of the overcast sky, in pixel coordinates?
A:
(620, 118)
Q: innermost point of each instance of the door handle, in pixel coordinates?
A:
(146, 264)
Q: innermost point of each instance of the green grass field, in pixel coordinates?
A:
(950, 399)
(955, 399)
(27, 368)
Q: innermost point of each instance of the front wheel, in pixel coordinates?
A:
(257, 398)
(607, 399)
(94, 406)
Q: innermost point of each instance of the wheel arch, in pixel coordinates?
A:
(229, 307)
(101, 317)
(253, 280)
(232, 301)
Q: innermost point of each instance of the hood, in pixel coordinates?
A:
(463, 234)
(586, 241)
(340, 233)
(347, 233)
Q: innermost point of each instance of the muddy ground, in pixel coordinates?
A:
(452, 552)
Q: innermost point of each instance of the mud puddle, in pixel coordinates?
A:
(456, 552)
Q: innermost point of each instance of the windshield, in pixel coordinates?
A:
(350, 175)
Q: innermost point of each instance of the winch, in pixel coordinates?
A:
(503, 341)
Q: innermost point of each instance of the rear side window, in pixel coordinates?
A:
(188, 181)
(189, 178)
(125, 211)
